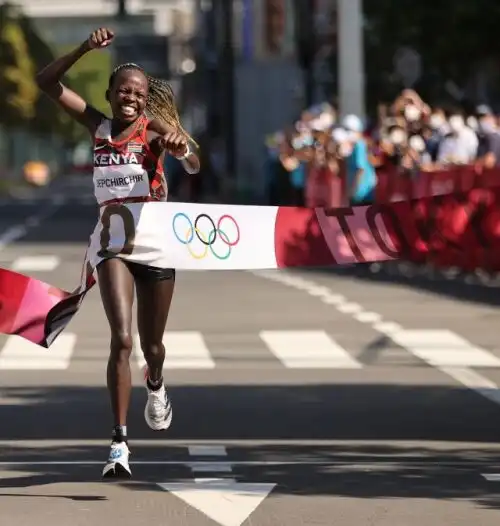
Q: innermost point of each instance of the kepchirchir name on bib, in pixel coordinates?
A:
(115, 159)
(109, 182)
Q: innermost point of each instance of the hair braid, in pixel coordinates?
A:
(161, 99)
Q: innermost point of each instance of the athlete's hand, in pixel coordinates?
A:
(100, 38)
(174, 143)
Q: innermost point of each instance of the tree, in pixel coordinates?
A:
(453, 39)
(17, 72)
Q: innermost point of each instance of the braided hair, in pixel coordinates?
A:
(160, 104)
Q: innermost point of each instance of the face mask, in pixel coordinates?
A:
(417, 143)
(307, 139)
(436, 121)
(456, 123)
(297, 143)
(472, 123)
(397, 137)
(345, 149)
(412, 113)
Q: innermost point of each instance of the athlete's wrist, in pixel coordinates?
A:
(84, 47)
(187, 153)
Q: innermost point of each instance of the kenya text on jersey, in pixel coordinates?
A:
(115, 159)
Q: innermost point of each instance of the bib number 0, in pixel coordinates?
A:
(128, 226)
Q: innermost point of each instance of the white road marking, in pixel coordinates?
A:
(308, 350)
(444, 350)
(350, 308)
(36, 264)
(207, 451)
(491, 477)
(17, 232)
(12, 234)
(226, 502)
(184, 350)
(368, 317)
(21, 355)
(388, 327)
(210, 467)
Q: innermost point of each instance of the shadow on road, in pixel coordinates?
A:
(414, 418)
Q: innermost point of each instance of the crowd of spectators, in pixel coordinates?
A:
(409, 135)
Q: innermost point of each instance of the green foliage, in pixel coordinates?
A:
(89, 76)
(453, 38)
(17, 71)
(23, 52)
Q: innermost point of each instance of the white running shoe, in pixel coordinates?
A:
(117, 465)
(158, 410)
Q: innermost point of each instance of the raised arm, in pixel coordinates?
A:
(49, 81)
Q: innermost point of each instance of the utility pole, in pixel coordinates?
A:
(122, 9)
(227, 63)
(351, 57)
(306, 44)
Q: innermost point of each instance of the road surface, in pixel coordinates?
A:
(306, 397)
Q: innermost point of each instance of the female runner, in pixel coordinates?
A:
(145, 121)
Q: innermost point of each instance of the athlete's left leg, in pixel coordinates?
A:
(154, 297)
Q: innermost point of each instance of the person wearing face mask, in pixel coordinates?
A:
(411, 106)
(435, 131)
(460, 145)
(489, 137)
(417, 156)
(361, 178)
(394, 145)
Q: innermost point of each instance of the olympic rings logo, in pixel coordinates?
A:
(207, 239)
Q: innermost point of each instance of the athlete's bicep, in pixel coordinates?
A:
(75, 106)
(153, 139)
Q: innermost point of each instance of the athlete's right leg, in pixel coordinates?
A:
(116, 285)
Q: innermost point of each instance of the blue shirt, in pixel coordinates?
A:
(358, 160)
(298, 176)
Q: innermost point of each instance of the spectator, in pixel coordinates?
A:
(489, 137)
(410, 137)
(434, 132)
(460, 145)
(360, 174)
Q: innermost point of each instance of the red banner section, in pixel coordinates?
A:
(460, 229)
(395, 186)
(463, 194)
(325, 189)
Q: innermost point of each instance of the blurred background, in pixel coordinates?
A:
(264, 86)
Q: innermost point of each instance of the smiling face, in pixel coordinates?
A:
(128, 95)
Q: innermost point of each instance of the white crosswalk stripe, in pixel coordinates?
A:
(290, 349)
(184, 350)
(20, 354)
(308, 350)
(441, 348)
(36, 264)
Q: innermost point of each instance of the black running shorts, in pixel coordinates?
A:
(146, 273)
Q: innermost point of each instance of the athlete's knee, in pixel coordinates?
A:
(121, 345)
(152, 348)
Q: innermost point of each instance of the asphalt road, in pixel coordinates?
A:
(309, 397)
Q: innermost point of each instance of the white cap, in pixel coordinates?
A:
(353, 123)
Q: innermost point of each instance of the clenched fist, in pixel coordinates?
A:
(100, 38)
(174, 143)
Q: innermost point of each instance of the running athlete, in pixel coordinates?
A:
(129, 152)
